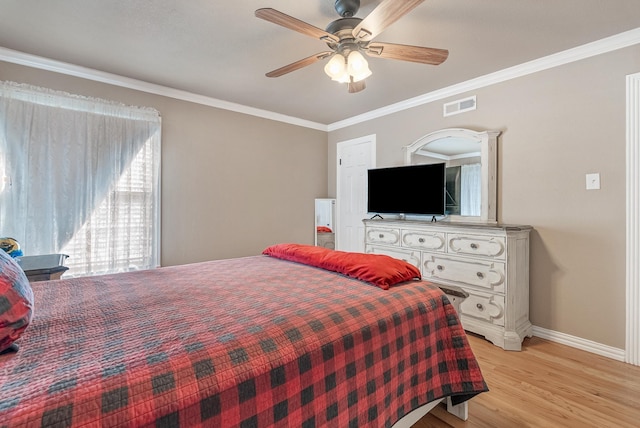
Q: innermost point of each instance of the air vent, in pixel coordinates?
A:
(459, 106)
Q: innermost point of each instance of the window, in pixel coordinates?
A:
(84, 179)
(118, 236)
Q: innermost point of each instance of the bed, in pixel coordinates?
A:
(249, 342)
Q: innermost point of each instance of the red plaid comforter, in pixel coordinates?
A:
(250, 342)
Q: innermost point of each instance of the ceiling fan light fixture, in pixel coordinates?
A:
(357, 66)
(336, 67)
(349, 36)
(343, 78)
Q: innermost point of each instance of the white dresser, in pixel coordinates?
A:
(490, 262)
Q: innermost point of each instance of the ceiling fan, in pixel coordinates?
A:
(348, 37)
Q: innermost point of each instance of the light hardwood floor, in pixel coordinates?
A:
(548, 385)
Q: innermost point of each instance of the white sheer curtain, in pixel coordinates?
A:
(470, 189)
(65, 156)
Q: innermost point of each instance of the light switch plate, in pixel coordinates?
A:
(593, 181)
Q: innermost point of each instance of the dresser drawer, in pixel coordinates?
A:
(383, 236)
(412, 257)
(477, 245)
(432, 241)
(487, 274)
(483, 306)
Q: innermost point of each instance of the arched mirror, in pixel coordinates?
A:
(471, 161)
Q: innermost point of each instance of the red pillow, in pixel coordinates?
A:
(16, 301)
(307, 254)
(378, 269)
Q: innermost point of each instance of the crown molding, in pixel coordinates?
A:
(618, 41)
(21, 58)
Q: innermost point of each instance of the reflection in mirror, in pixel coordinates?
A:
(325, 223)
(470, 158)
(463, 172)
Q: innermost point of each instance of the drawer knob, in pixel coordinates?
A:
(381, 236)
(440, 267)
(474, 246)
(480, 275)
(480, 307)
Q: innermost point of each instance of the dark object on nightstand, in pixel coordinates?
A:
(43, 268)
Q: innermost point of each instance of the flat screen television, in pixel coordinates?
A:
(414, 189)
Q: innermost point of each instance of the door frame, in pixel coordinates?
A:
(632, 346)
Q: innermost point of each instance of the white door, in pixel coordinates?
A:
(355, 157)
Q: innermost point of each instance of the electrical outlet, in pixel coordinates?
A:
(593, 181)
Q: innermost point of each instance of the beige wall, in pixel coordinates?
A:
(557, 126)
(232, 184)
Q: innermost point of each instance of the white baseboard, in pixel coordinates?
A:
(579, 343)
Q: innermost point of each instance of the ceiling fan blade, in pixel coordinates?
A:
(284, 20)
(298, 64)
(419, 54)
(356, 86)
(385, 14)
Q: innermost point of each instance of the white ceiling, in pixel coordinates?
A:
(219, 49)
